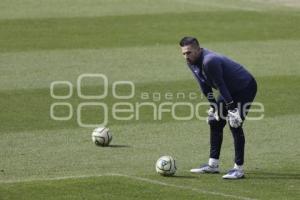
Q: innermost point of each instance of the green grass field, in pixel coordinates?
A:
(137, 40)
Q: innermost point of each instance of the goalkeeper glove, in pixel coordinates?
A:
(234, 118)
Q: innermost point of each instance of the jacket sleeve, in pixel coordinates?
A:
(206, 89)
(214, 70)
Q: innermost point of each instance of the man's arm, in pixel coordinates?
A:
(206, 89)
(214, 69)
(208, 93)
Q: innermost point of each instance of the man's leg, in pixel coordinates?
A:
(239, 145)
(216, 129)
(243, 100)
(216, 139)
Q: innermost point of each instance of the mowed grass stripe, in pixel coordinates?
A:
(37, 69)
(12, 9)
(35, 104)
(42, 152)
(70, 152)
(133, 30)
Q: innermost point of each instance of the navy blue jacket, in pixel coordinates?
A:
(219, 72)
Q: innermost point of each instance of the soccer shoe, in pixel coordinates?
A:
(234, 174)
(206, 169)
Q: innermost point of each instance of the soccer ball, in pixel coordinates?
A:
(101, 136)
(166, 166)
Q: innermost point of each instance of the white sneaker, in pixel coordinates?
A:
(234, 174)
(206, 169)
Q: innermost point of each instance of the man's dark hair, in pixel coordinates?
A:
(188, 41)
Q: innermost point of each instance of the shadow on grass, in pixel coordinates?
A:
(272, 175)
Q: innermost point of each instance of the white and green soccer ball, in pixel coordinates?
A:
(166, 166)
(101, 136)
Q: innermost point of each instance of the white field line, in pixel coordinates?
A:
(134, 178)
(54, 178)
(184, 187)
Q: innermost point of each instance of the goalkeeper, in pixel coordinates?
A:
(237, 89)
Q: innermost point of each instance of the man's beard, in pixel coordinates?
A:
(188, 61)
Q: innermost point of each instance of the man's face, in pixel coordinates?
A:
(191, 53)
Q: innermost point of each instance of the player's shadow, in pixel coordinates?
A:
(272, 175)
(119, 146)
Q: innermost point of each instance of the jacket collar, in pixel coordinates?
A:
(199, 61)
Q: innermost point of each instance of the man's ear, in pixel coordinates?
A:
(199, 50)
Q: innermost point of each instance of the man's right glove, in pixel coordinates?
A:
(234, 118)
(212, 115)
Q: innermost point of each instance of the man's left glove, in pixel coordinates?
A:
(234, 118)
(212, 115)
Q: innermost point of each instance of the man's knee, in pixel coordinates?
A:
(217, 125)
(236, 132)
